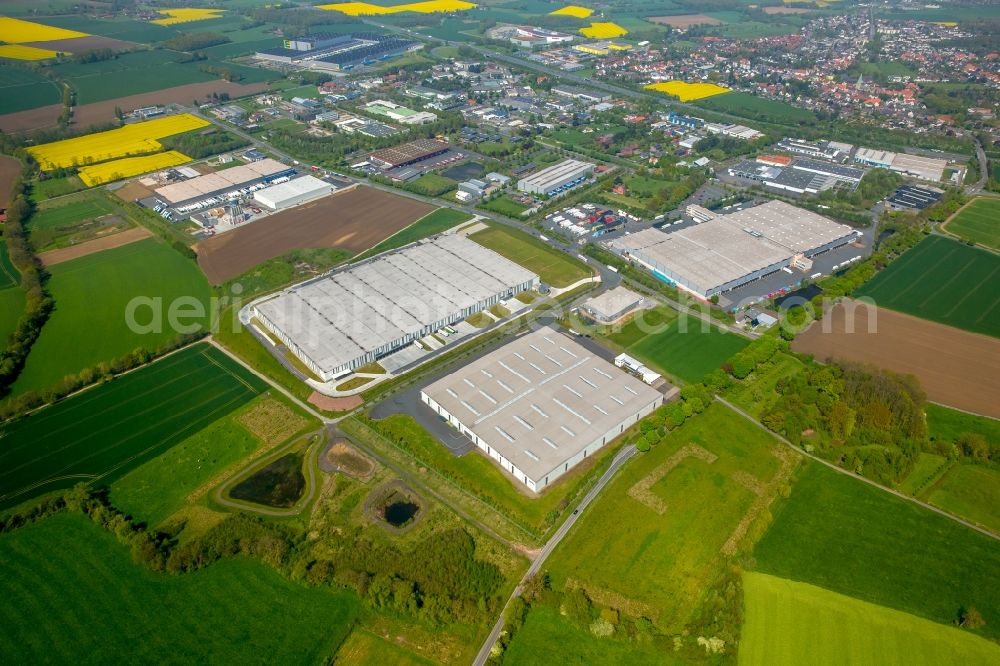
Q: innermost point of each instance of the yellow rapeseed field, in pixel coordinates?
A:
(16, 31)
(108, 172)
(687, 92)
(18, 52)
(134, 139)
(428, 7)
(575, 11)
(603, 31)
(186, 15)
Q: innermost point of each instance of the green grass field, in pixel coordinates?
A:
(554, 267)
(43, 190)
(12, 300)
(433, 223)
(125, 29)
(505, 206)
(853, 538)
(928, 467)
(74, 596)
(970, 491)
(945, 281)
(92, 294)
(156, 490)
(663, 562)
(363, 647)
(64, 212)
(9, 277)
(978, 222)
(681, 346)
(22, 89)
(789, 623)
(545, 628)
(948, 424)
(748, 106)
(102, 433)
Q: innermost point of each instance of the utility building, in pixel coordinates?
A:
(292, 193)
(541, 404)
(556, 178)
(350, 317)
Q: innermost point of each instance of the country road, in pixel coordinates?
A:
(620, 459)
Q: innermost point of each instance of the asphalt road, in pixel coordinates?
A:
(620, 459)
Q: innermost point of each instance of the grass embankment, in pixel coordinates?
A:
(789, 623)
(75, 596)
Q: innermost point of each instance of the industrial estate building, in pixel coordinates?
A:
(212, 184)
(337, 52)
(916, 166)
(347, 318)
(612, 304)
(799, 175)
(408, 153)
(292, 192)
(556, 178)
(540, 404)
(729, 251)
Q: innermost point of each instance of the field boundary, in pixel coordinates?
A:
(94, 245)
(841, 470)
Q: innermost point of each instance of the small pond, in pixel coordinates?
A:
(400, 512)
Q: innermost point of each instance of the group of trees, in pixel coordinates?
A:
(866, 419)
(192, 41)
(38, 304)
(204, 144)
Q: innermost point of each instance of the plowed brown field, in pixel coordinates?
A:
(955, 367)
(9, 169)
(81, 44)
(354, 219)
(102, 112)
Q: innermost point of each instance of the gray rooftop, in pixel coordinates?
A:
(729, 247)
(541, 399)
(363, 308)
(613, 301)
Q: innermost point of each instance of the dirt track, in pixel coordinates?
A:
(101, 112)
(53, 257)
(354, 220)
(955, 367)
(9, 169)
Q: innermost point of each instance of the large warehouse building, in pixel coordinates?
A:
(556, 178)
(292, 193)
(732, 250)
(348, 318)
(540, 404)
(408, 153)
(223, 181)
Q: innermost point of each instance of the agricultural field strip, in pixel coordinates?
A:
(138, 433)
(84, 401)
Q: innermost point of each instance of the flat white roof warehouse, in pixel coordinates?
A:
(540, 404)
(351, 317)
(731, 250)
